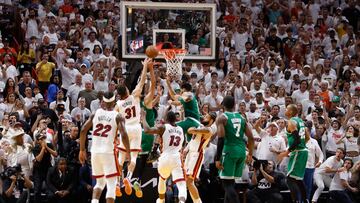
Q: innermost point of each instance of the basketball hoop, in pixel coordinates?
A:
(174, 58)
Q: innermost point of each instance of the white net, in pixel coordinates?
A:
(174, 58)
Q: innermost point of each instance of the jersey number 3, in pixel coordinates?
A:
(174, 140)
(104, 128)
(130, 112)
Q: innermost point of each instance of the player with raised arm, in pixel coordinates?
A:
(297, 136)
(170, 163)
(191, 108)
(195, 152)
(146, 140)
(105, 123)
(129, 108)
(231, 149)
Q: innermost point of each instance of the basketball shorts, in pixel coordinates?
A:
(134, 132)
(297, 164)
(193, 163)
(171, 164)
(104, 165)
(233, 166)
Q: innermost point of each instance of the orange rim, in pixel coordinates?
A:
(171, 53)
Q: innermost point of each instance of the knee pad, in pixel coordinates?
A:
(161, 186)
(181, 185)
(111, 187)
(100, 183)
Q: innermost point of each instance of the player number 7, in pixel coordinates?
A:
(237, 126)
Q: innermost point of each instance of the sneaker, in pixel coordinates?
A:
(138, 191)
(118, 191)
(128, 188)
(153, 156)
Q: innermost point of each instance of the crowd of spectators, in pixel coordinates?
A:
(271, 54)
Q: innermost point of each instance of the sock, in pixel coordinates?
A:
(94, 201)
(129, 175)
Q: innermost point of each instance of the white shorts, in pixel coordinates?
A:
(134, 132)
(193, 163)
(171, 164)
(104, 165)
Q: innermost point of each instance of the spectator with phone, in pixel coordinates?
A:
(267, 184)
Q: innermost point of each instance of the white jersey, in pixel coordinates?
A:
(104, 131)
(198, 143)
(130, 109)
(172, 139)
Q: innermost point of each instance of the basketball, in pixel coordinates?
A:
(151, 52)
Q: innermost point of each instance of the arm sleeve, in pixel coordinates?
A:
(219, 148)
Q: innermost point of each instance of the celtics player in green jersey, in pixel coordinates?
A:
(297, 136)
(191, 108)
(146, 141)
(231, 149)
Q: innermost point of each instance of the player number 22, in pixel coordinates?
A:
(130, 112)
(104, 128)
(174, 140)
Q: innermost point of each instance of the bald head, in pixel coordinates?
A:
(291, 110)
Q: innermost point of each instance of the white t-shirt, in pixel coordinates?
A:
(101, 85)
(268, 141)
(11, 72)
(299, 96)
(209, 99)
(336, 181)
(314, 151)
(84, 113)
(331, 162)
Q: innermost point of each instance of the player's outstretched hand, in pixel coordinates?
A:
(219, 165)
(82, 157)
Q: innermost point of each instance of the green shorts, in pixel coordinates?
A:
(297, 164)
(146, 143)
(233, 166)
(186, 124)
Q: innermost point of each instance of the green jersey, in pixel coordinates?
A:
(147, 140)
(234, 142)
(191, 108)
(300, 127)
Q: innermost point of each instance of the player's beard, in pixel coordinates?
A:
(205, 123)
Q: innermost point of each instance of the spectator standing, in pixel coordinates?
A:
(42, 152)
(315, 159)
(323, 174)
(44, 70)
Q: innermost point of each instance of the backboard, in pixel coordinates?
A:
(168, 25)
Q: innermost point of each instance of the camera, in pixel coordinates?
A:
(10, 171)
(257, 163)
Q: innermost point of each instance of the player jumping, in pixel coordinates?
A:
(191, 108)
(103, 152)
(129, 108)
(297, 136)
(170, 163)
